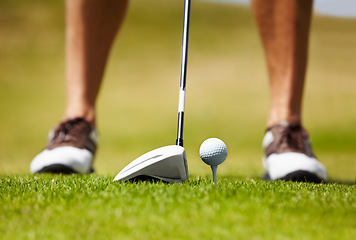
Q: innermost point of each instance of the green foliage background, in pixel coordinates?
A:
(227, 92)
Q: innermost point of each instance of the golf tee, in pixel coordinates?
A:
(214, 169)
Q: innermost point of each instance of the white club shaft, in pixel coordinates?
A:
(181, 105)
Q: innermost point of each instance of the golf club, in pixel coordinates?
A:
(169, 163)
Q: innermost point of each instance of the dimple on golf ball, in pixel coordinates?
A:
(213, 151)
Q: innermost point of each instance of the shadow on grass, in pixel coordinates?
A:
(259, 178)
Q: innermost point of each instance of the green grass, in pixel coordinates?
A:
(93, 207)
(227, 98)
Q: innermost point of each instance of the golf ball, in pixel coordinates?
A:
(213, 151)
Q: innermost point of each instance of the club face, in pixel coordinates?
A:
(168, 164)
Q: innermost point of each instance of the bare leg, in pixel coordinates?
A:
(284, 28)
(91, 26)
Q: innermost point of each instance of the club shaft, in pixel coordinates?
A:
(183, 73)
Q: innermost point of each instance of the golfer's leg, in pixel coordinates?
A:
(284, 28)
(91, 26)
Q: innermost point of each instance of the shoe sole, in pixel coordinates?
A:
(298, 176)
(59, 168)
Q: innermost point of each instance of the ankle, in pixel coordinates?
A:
(87, 114)
(295, 119)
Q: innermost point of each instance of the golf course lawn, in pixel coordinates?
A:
(93, 207)
(227, 97)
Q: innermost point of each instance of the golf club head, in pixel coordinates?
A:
(168, 164)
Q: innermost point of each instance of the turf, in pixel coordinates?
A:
(94, 207)
(227, 97)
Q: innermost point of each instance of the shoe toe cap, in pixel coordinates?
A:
(80, 160)
(279, 166)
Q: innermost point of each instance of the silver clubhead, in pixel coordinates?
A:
(168, 164)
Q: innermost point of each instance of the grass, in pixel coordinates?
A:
(93, 207)
(227, 98)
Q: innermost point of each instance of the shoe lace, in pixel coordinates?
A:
(66, 131)
(294, 136)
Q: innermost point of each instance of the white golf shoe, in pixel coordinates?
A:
(289, 155)
(70, 149)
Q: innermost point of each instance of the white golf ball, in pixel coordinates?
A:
(213, 151)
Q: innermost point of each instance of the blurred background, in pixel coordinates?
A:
(227, 91)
